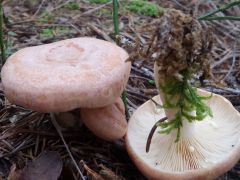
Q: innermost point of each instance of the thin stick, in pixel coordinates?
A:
(91, 11)
(58, 128)
(233, 60)
(156, 104)
(227, 6)
(218, 18)
(39, 8)
(116, 32)
(3, 54)
(149, 139)
(115, 17)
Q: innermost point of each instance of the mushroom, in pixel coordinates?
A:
(212, 148)
(108, 122)
(65, 75)
(62, 76)
(194, 134)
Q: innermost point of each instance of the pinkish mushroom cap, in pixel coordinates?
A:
(61, 76)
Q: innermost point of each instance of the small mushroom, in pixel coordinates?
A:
(65, 75)
(210, 149)
(108, 122)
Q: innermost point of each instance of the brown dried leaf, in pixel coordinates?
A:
(108, 174)
(91, 173)
(47, 166)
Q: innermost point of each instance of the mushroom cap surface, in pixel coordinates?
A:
(212, 150)
(108, 122)
(61, 76)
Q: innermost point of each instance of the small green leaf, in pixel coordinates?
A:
(11, 33)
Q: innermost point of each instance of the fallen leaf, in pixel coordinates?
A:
(108, 174)
(91, 173)
(47, 166)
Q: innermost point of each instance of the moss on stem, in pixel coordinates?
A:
(188, 101)
(181, 52)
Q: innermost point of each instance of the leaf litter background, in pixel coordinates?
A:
(24, 135)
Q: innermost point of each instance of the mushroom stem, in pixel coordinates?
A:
(172, 109)
(170, 113)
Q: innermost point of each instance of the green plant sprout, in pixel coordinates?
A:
(115, 18)
(2, 46)
(116, 32)
(210, 16)
(50, 32)
(187, 102)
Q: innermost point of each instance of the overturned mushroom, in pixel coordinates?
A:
(62, 76)
(209, 150)
(196, 132)
(108, 122)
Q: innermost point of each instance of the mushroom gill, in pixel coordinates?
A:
(213, 143)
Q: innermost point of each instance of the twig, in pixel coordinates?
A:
(100, 32)
(224, 90)
(233, 60)
(58, 128)
(218, 18)
(229, 5)
(149, 139)
(156, 104)
(179, 4)
(131, 104)
(60, 5)
(39, 8)
(138, 94)
(75, 27)
(91, 11)
(223, 59)
(142, 73)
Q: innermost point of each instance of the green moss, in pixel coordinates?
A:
(50, 32)
(72, 6)
(99, 1)
(104, 11)
(47, 16)
(144, 7)
(11, 33)
(187, 101)
(47, 32)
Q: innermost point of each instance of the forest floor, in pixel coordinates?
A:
(24, 134)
